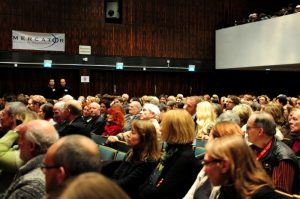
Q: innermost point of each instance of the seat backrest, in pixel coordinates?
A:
(120, 146)
(199, 151)
(107, 153)
(200, 143)
(100, 140)
(120, 155)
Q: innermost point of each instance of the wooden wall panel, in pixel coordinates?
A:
(32, 81)
(150, 28)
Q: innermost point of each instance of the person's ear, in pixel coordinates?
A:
(61, 175)
(32, 147)
(225, 166)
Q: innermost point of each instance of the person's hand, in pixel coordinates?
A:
(112, 139)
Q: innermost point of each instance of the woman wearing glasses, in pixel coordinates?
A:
(202, 188)
(230, 164)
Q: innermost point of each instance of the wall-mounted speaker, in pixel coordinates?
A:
(113, 11)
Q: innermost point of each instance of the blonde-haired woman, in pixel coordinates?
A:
(202, 187)
(230, 163)
(178, 166)
(206, 118)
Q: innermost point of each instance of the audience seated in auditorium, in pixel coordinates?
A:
(134, 110)
(86, 113)
(149, 112)
(75, 123)
(96, 124)
(60, 122)
(202, 187)
(178, 166)
(67, 158)
(114, 122)
(206, 118)
(46, 113)
(277, 158)
(13, 114)
(141, 158)
(35, 101)
(35, 137)
(230, 164)
(294, 122)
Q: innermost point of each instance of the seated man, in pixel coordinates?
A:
(69, 157)
(277, 158)
(96, 124)
(35, 137)
(75, 123)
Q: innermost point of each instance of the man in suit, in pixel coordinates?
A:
(75, 123)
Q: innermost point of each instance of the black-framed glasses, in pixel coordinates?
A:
(45, 167)
(207, 162)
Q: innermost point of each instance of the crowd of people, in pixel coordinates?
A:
(253, 17)
(47, 150)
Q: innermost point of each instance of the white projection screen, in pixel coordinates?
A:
(270, 42)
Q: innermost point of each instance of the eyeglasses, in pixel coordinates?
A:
(207, 162)
(45, 167)
(251, 127)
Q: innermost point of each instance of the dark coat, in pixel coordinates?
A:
(177, 176)
(130, 175)
(96, 125)
(78, 126)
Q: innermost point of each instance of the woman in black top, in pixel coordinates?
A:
(140, 160)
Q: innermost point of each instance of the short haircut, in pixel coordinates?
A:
(136, 104)
(178, 127)
(15, 108)
(38, 99)
(229, 116)
(74, 107)
(42, 133)
(234, 99)
(225, 128)
(265, 121)
(75, 157)
(59, 105)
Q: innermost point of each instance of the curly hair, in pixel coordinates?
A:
(117, 114)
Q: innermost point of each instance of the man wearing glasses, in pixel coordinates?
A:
(277, 158)
(35, 137)
(68, 157)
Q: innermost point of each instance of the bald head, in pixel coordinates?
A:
(77, 154)
(73, 154)
(94, 109)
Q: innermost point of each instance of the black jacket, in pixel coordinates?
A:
(78, 126)
(177, 176)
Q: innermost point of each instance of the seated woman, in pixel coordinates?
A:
(46, 112)
(202, 187)
(230, 163)
(178, 166)
(115, 122)
(149, 112)
(140, 160)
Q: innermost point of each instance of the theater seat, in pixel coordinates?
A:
(107, 153)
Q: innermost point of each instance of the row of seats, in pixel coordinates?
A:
(118, 150)
(108, 153)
